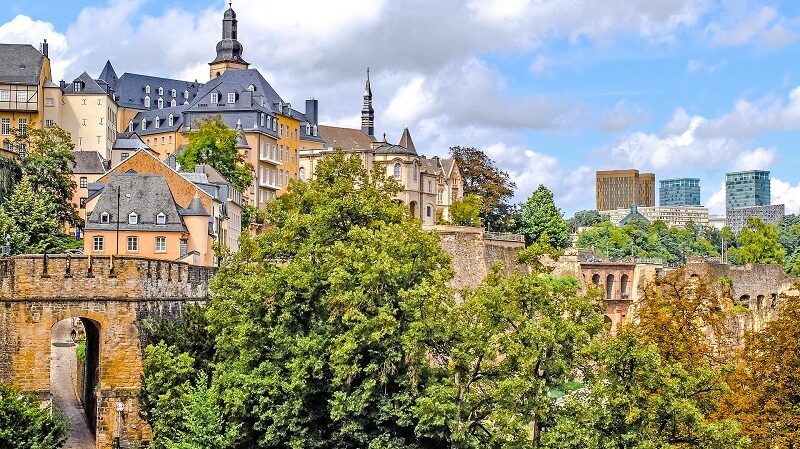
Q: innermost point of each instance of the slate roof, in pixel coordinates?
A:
(406, 142)
(88, 162)
(345, 138)
(129, 90)
(129, 141)
(108, 75)
(634, 215)
(163, 115)
(21, 64)
(89, 86)
(389, 148)
(145, 194)
(195, 208)
(238, 81)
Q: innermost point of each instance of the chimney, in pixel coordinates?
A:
(45, 49)
(312, 111)
(62, 84)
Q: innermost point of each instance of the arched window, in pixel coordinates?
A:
(161, 218)
(185, 102)
(160, 103)
(428, 211)
(161, 91)
(596, 279)
(158, 122)
(397, 171)
(610, 286)
(263, 120)
(147, 89)
(6, 144)
(171, 119)
(623, 286)
(415, 172)
(173, 103)
(186, 94)
(315, 130)
(308, 129)
(251, 88)
(303, 173)
(146, 101)
(130, 126)
(144, 124)
(174, 93)
(133, 218)
(105, 218)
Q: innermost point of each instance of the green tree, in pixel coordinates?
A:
(633, 399)
(167, 376)
(492, 185)
(10, 175)
(24, 424)
(466, 211)
(585, 219)
(31, 220)
(212, 142)
(48, 166)
(513, 343)
(758, 243)
(333, 307)
(540, 216)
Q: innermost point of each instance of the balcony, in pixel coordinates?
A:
(268, 184)
(268, 159)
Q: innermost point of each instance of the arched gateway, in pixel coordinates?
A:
(112, 297)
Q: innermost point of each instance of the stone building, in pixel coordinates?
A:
(736, 218)
(620, 189)
(673, 216)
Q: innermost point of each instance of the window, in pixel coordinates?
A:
(308, 129)
(415, 172)
(84, 122)
(133, 244)
(170, 120)
(146, 101)
(147, 89)
(231, 97)
(97, 244)
(430, 186)
(397, 171)
(173, 93)
(5, 126)
(144, 124)
(428, 211)
(130, 126)
(303, 173)
(161, 244)
(214, 97)
(315, 130)
(158, 121)
(83, 182)
(22, 96)
(5, 95)
(161, 91)
(124, 156)
(22, 127)
(23, 150)
(133, 218)
(49, 101)
(251, 88)
(7, 145)
(263, 120)
(160, 103)
(173, 103)
(49, 123)
(186, 94)
(184, 247)
(275, 125)
(82, 203)
(161, 218)
(105, 218)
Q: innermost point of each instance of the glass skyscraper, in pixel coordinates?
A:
(747, 189)
(679, 192)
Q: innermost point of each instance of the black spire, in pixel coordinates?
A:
(367, 113)
(229, 49)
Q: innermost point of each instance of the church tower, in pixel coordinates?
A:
(229, 50)
(367, 113)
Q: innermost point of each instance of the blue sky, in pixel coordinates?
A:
(551, 89)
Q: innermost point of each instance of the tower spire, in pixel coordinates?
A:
(229, 50)
(367, 113)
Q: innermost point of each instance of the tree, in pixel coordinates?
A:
(505, 351)
(540, 216)
(31, 220)
(634, 399)
(491, 184)
(213, 143)
(765, 386)
(758, 243)
(334, 303)
(24, 424)
(48, 166)
(466, 211)
(167, 375)
(585, 219)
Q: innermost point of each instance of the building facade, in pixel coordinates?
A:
(89, 114)
(672, 216)
(620, 189)
(737, 218)
(679, 192)
(747, 189)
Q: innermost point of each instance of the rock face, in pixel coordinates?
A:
(114, 297)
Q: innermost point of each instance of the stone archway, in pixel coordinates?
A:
(610, 286)
(412, 207)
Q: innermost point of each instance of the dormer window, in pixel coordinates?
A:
(275, 125)
(76, 86)
(173, 92)
(231, 97)
(308, 129)
(161, 219)
(172, 103)
(160, 103)
(144, 124)
(158, 122)
(105, 218)
(185, 102)
(170, 120)
(251, 88)
(146, 101)
(214, 98)
(186, 94)
(263, 120)
(161, 91)
(133, 218)
(315, 131)
(147, 89)
(130, 126)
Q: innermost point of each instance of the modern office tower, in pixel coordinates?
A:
(747, 189)
(620, 189)
(736, 218)
(679, 192)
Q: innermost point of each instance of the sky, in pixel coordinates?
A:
(552, 90)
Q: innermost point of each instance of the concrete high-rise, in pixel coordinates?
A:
(747, 189)
(620, 189)
(679, 192)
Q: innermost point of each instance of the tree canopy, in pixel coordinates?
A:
(539, 217)
(758, 243)
(24, 424)
(492, 185)
(466, 211)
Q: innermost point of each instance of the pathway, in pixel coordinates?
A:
(63, 384)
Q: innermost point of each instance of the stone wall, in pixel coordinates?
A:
(116, 295)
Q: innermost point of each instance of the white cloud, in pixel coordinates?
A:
(622, 117)
(24, 30)
(758, 159)
(746, 23)
(785, 193)
(716, 202)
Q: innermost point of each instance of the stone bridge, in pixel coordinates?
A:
(112, 297)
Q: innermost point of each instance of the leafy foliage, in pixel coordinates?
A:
(24, 424)
(213, 143)
(491, 184)
(758, 243)
(585, 219)
(466, 211)
(540, 217)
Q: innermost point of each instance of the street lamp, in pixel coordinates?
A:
(120, 408)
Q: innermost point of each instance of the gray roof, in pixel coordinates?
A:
(88, 86)
(389, 148)
(145, 194)
(108, 74)
(406, 142)
(163, 115)
(130, 141)
(129, 90)
(345, 138)
(195, 208)
(238, 81)
(88, 162)
(21, 64)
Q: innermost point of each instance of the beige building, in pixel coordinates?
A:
(89, 114)
(88, 167)
(673, 216)
(430, 185)
(620, 189)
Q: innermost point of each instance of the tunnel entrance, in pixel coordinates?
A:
(74, 376)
